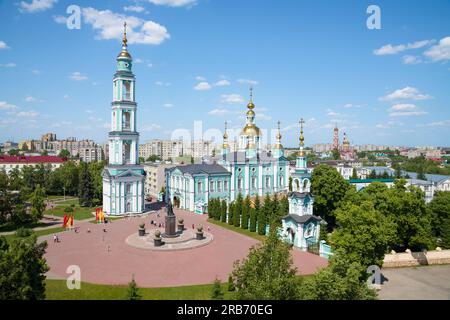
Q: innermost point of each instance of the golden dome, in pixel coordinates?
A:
(251, 130)
(251, 113)
(278, 136)
(225, 135)
(251, 106)
(124, 54)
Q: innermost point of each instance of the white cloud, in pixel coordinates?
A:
(3, 45)
(173, 3)
(77, 76)
(391, 49)
(7, 106)
(36, 72)
(200, 78)
(443, 123)
(232, 98)
(32, 99)
(138, 60)
(411, 59)
(27, 114)
(60, 19)
(222, 112)
(247, 82)
(203, 86)
(134, 8)
(407, 113)
(262, 116)
(439, 52)
(168, 105)
(109, 25)
(403, 107)
(89, 111)
(406, 93)
(36, 5)
(222, 83)
(8, 65)
(66, 96)
(151, 127)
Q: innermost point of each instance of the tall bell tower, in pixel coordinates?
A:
(123, 178)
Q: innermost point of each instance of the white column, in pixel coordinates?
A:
(260, 180)
(231, 184)
(275, 175)
(247, 179)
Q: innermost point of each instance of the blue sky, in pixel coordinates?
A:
(311, 59)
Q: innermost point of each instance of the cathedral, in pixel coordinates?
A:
(123, 177)
(250, 171)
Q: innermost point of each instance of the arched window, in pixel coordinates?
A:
(126, 90)
(240, 184)
(126, 121)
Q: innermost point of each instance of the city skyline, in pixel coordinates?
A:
(383, 87)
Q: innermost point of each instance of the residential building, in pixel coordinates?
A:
(8, 163)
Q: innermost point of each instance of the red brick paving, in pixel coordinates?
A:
(150, 268)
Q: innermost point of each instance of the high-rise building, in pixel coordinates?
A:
(123, 178)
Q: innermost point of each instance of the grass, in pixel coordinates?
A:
(80, 213)
(40, 233)
(7, 227)
(59, 197)
(245, 232)
(57, 290)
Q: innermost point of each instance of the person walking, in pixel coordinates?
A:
(54, 238)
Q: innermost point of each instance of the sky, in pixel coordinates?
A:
(195, 60)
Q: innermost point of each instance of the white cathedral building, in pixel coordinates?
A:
(123, 178)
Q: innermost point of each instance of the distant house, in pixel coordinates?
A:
(362, 183)
(8, 163)
(440, 182)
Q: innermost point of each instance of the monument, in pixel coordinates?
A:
(170, 225)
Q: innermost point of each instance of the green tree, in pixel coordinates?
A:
(267, 273)
(133, 290)
(290, 183)
(238, 211)
(252, 220)
(440, 216)
(223, 214)
(354, 174)
(284, 207)
(231, 286)
(44, 153)
(216, 293)
(95, 172)
(154, 158)
(14, 152)
(64, 153)
(263, 215)
(341, 280)
(22, 269)
(245, 213)
(329, 189)
(336, 154)
(86, 188)
(231, 210)
(38, 203)
(363, 233)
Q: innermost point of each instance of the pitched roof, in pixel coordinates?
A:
(201, 168)
(31, 159)
(303, 219)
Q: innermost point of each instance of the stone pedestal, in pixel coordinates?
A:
(180, 227)
(157, 242)
(199, 235)
(141, 232)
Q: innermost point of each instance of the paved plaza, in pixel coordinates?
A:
(105, 257)
(416, 283)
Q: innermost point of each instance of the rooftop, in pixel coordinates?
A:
(32, 159)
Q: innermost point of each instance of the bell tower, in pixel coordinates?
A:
(123, 178)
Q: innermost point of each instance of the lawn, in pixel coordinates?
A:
(57, 290)
(13, 227)
(39, 233)
(80, 213)
(247, 232)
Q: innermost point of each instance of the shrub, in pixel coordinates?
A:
(24, 232)
(68, 209)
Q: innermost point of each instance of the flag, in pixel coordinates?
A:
(65, 221)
